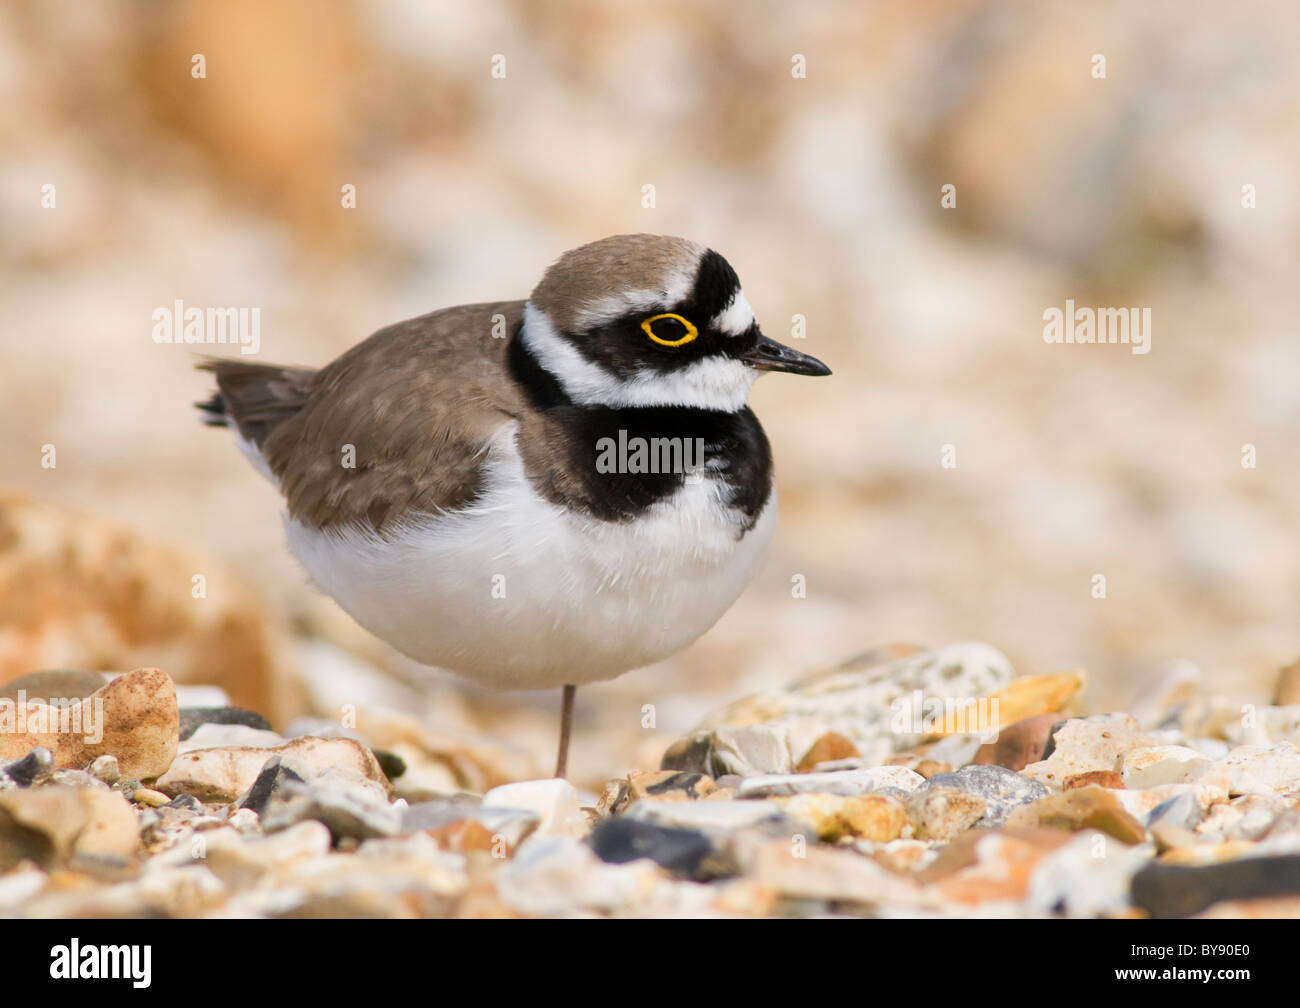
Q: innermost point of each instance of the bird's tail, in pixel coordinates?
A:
(254, 398)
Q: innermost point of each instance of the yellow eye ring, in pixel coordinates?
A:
(691, 331)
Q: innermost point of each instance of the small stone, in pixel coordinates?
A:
(150, 797)
(664, 785)
(941, 813)
(827, 874)
(1094, 778)
(191, 718)
(1084, 878)
(553, 876)
(929, 768)
(1021, 743)
(47, 825)
(718, 820)
(997, 869)
(440, 818)
(1082, 808)
(225, 775)
(392, 764)
(1002, 790)
(211, 735)
(269, 783)
(1083, 744)
(36, 766)
(1026, 697)
(746, 751)
(554, 801)
(830, 746)
(684, 852)
(133, 718)
(352, 808)
(106, 769)
(878, 818)
(843, 782)
(1256, 770)
(1166, 891)
(1151, 766)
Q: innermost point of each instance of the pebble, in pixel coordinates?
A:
(352, 808)
(1002, 790)
(150, 797)
(106, 769)
(192, 718)
(718, 820)
(1084, 744)
(36, 766)
(553, 801)
(861, 700)
(1165, 890)
(879, 818)
(941, 813)
(684, 852)
(1082, 808)
(217, 736)
(227, 773)
(1020, 743)
(49, 824)
(1151, 766)
(828, 748)
(844, 782)
(745, 752)
(512, 825)
(556, 875)
(133, 718)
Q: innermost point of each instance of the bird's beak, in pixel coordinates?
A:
(769, 355)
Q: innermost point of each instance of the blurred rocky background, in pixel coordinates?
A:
(823, 190)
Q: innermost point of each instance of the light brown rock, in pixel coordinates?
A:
(1081, 808)
(47, 825)
(134, 718)
(225, 774)
(880, 818)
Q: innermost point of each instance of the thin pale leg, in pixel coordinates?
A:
(566, 726)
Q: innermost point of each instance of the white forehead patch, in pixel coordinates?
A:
(715, 383)
(677, 287)
(737, 317)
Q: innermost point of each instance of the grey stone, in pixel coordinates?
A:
(192, 717)
(1003, 790)
(349, 807)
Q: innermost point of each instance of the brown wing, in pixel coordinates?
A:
(417, 402)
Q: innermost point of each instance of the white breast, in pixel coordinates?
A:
(515, 592)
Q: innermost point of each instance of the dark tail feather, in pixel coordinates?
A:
(214, 411)
(256, 398)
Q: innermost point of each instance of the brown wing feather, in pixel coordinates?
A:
(418, 401)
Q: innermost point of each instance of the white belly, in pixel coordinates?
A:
(516, 593)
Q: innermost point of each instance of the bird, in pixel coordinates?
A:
(533, 493)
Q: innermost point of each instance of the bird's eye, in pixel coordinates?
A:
(669, 330)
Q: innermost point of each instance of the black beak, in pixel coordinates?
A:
(769, 355)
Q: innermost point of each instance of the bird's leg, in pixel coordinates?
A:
(566, 726)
